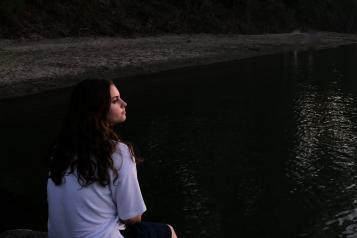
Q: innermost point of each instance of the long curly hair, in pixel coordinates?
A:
(86, 141)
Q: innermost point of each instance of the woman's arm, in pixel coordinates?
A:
(126, 191)
(132, 220)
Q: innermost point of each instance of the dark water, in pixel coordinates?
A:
(263, 147)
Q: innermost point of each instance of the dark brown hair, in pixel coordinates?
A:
(86, 141)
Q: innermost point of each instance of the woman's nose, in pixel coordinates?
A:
(123, 103)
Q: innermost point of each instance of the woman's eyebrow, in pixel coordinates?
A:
(117, 97)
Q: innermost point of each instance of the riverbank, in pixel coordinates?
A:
(37, 65)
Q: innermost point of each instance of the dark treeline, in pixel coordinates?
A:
(59, 18)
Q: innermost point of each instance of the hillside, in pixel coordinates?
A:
(130, 18)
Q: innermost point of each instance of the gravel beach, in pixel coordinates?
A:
(37, 65)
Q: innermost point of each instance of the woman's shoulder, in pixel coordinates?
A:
(121, 154)
(121, 147)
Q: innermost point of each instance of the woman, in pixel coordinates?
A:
(92, 189)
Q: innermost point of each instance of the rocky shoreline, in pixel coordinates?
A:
(37, 65)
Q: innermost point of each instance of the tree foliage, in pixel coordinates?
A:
(58, 18)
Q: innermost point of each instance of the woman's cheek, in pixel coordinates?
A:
(118, 114)
(112, 114)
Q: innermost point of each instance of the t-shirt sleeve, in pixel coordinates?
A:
(126, 189)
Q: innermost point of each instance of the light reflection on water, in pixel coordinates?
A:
(324, 152)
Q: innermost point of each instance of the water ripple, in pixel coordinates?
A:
(324, 152)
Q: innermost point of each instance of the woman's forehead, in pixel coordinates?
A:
(114, 91)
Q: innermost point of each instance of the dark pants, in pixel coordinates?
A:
(146, 230)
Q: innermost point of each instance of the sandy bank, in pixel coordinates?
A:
(29, 67)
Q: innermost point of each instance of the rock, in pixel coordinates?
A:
(23, 233)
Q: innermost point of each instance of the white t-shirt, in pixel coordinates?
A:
(94, 211)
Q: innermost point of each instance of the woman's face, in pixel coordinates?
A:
(117, 113)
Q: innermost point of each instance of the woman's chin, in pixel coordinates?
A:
(123, 119)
